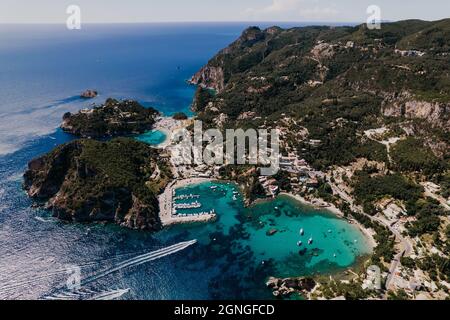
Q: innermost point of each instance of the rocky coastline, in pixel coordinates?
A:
(111, 119)
(284, 288)
(92, 181)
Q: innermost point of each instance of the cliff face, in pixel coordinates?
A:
(435, 113)
(215, 74)
(88, 181)
(210, 77)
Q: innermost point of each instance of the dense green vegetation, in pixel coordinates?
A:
(342, 147)
(88, 180)
(324, 191)
(114, 118)
(368, 188)
(435, 35)
(180, 116)
(445, 184)
(202, 98)
(350, 291)
(335, 88)
(335, 84)
(284, 182)
(428, 212)
(411, 156)
(247, 178)
(436, 266)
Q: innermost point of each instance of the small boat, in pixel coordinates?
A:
(234, 198)
(329, 231)
(299, 243)
(276, 208)
(356, 241)
(302, 232)
(310, 241)
(335, 255)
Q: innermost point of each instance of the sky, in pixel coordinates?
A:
(137, 11)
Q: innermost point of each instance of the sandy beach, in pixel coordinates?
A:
(168, 126)
(316, 205)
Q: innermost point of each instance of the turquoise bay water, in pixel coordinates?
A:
(153, 138)
(336, 243)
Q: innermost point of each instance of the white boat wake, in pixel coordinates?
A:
(141, 260)
(22, 282)
(89, 295)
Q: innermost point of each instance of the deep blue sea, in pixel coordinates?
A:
(43, 69)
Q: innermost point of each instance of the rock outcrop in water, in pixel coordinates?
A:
(285, 287)
(89, 94)
(114, 118)
(87, 180)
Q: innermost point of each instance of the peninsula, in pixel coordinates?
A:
(113, 118)
(87, 180)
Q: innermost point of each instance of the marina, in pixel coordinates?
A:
(173, 212)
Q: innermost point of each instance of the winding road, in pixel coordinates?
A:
(406, 246)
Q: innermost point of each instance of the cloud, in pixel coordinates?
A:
(293, 10)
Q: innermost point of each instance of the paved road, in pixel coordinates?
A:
(441, 200)
(406, 246)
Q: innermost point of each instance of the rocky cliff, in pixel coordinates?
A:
(114, 118)
(210, 77)
(88, 181)
(217, 72)
(435, 113)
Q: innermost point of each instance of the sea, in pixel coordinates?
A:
(43, 70)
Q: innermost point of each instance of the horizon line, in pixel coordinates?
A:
(218, 21)
(187, 21)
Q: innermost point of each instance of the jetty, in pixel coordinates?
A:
(204, 213)
(170, 215)
(193, 205)
(187, 197)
